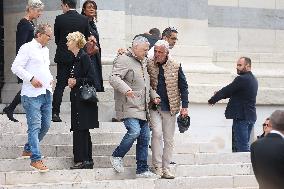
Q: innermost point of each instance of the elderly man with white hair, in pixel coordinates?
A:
(169, 81)
(132, 93)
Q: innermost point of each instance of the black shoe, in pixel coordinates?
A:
(82, 165)
(56, 118)
(9, 113)
(114, 120)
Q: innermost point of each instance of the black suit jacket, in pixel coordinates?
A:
(242, 93)
(66, 23)
(267, 157)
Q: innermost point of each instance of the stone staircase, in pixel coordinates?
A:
(199, 163)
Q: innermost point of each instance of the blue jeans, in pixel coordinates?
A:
(136, 129)
(38, 114)
(241, 135)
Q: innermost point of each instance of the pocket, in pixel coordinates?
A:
(138, 101)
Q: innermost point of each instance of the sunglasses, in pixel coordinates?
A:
(265, 124)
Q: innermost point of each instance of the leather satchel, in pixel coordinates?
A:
(88, 93)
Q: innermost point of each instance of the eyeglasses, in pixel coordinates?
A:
(265, 124)
(173, 38)
(47, 35)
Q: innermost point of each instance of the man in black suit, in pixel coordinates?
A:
(267, 155)
(241, 107)
(66, 23)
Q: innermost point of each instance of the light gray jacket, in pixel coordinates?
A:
(128, 73)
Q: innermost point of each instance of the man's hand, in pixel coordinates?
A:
(210, 102)
(71, 82)
(51, 83)
(36, 83)
(157, 100)
(92, 38)
(121, 51)
(183, 112)
(130, 93)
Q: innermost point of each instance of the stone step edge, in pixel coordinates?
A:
(154, 180)
(126, 169)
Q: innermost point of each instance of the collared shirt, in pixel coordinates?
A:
(31, 61)
(277, 132)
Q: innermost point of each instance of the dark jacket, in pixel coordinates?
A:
(64, 24)
(242, 93)
(96, 59)
(24, 34)
(267, 157)
(84, 115)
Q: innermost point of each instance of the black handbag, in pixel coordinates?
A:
(88, 93)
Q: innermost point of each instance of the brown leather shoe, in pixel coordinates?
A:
(26, 154)
(39, 166)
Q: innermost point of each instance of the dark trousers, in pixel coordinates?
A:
(15, 102)
(82, 146)
(63, 74)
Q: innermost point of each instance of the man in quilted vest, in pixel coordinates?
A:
(169, 81)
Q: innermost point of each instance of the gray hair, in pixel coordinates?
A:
(139, 40)
(277, 120)
(163, 43)
(35, 4)
(41, 29)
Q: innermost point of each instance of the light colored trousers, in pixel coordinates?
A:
(163, 130)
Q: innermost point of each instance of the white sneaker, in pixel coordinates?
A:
(117, 164)
(147, 174)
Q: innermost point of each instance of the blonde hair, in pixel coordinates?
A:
(78, 37)
(35, 4)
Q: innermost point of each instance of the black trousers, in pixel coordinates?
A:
(16, 101)
(82, 146)
(63, 74)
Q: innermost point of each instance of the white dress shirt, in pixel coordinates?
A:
(31, 61)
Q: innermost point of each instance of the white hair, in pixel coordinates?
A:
(162, 43)
(139, 40)
(35, 4)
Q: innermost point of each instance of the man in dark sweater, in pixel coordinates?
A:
(241, 107)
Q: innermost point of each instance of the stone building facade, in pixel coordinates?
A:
(212, 35)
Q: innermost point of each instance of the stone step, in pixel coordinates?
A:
(51, 138)
(9, 127)
(100, 149)
(20, 164)
(54, 176)
(60, 138)
(207, 182)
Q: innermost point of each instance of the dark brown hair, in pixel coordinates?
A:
(89, 2)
